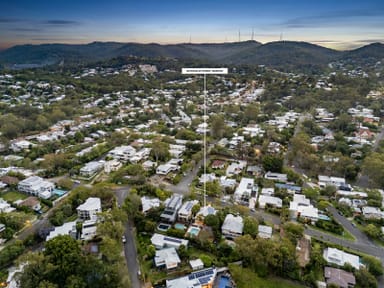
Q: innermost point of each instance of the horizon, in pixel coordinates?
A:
(188, 43)
(341, 25)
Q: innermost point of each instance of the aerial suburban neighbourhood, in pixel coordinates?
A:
(118, 170)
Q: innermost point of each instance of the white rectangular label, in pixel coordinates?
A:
(204, 70)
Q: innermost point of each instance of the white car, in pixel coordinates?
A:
(123, 239)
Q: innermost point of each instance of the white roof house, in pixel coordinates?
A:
(172, 206)
(332, 181)
(264, 231)
(244, 190)
(273, 201)
(276, 176)
(301, 207)
(65, 229)
(206, 210)
(372, 212)
(185, 211)
(89, 209)
(36, 186)
(338, 257)
(162, 241)
(5, 207)
(149, 203)
(227, 182)
(122, 153)
(205, 178)
(235, 168)
(196, 264)
(232, 226)
(197, 279)
(91, 168)
(268, 191)
(167, 258)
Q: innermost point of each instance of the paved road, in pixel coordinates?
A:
(360, 236)
(370, 249)
(130, 246)
(183, 186)
(363, 180)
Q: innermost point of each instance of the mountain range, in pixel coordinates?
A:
(275, 54)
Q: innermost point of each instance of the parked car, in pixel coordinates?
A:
(123, 239)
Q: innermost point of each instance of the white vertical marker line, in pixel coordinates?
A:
(205, 138)
(205, 71)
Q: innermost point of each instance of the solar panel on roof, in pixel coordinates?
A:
(204, 280)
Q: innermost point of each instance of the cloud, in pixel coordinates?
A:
(336, 16)
(9, 20)
(60, 22)
(370, 40)
(26, 29)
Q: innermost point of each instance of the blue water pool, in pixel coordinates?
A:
(225, 282)
(180, 226)
(163, 227)
(59, 192)
(194, 231)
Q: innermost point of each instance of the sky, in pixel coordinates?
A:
(337, 24)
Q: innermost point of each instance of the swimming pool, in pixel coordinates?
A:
(193, 231)
(180, 226)
(225, 282)
(59, 192)
(163, 227)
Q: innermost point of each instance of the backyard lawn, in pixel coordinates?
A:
(12, 196)
(243, 277)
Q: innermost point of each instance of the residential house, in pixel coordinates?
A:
(244, 190)
(91, 168)
(301, 207)
(370, 212)
(338, 277)
(218, 164)
(89, 209)
(270, 200)
(276, 176)
(149, 203)
(176, 151)
(172, 206)
(167, 258)
(36, 186)
(31, 202)
(205, 211)
(198, 279)
(205, 178)
(268, 191)
(166, 168)
(232, 226)
(112, 165)
(148, 165)
(5, 207)
(185, 212)
(68, 228)
(122, 153)
(235, 168)
(338, 257)
(161, 241)
(225, 182)
(196, 264)
(331, 181)
(255, 170)
(264, 231)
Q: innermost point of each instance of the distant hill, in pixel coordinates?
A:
(287, 54)
(374, 50)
